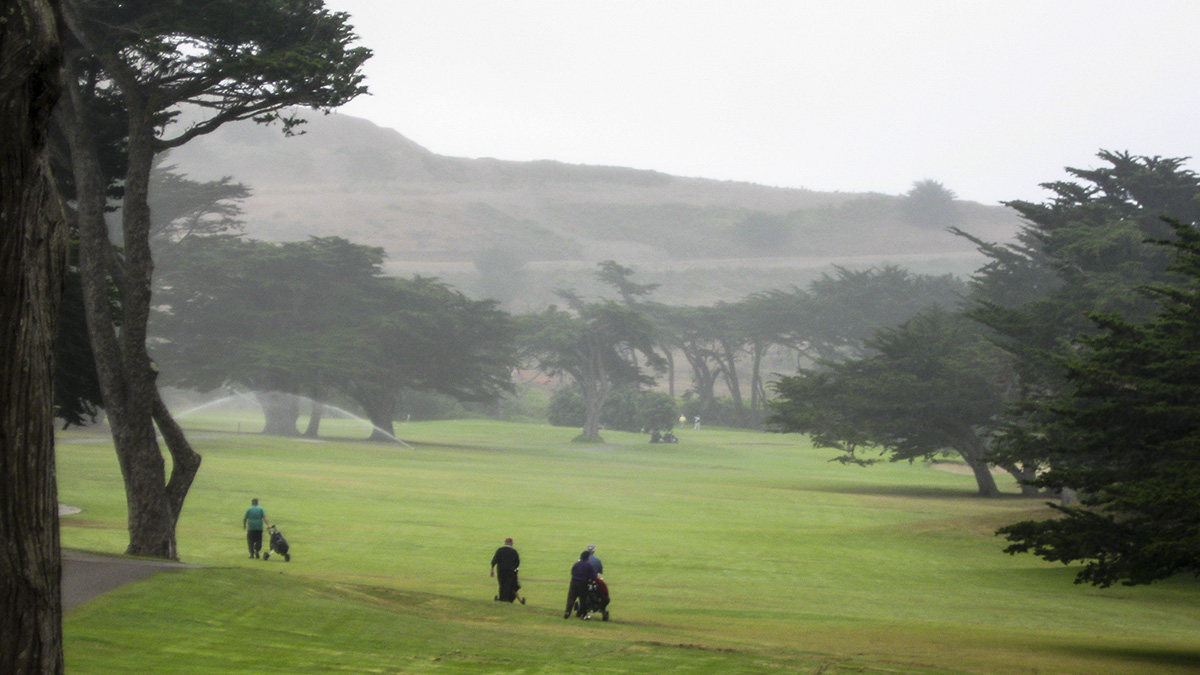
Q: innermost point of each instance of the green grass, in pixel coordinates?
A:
(731, 552)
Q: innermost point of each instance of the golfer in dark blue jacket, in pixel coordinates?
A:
(581, 573)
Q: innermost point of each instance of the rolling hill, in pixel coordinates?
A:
(435, 214)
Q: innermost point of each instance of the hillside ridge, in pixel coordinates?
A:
(349, 177)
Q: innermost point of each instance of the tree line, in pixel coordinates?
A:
(319, 319)
(890, 364)
(1070, 365)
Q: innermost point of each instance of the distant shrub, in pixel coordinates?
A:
(721, 411)
(929, 204)
(627, 409)
(424, 405)
(528, 404)
(566, 408)
(765, 231)
(656, 410)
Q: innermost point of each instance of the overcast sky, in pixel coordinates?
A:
(989, 98)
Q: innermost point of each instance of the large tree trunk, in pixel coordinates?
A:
(984, 478)
(314, 418)
(591, 421)
(125, 371)
(32, 262)
(704, 380)
(595, 395)
(131, 420)
(758, 389)
(185, 462)
(381, 411)
(1023, 474)
(669, 355)
(972, 451)
(282, 412)
(734, 385)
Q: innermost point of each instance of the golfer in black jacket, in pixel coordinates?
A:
(506, 560)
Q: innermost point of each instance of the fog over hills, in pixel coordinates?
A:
(434, 214)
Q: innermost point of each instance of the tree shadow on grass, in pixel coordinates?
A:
(1141, 659)
(917, 491)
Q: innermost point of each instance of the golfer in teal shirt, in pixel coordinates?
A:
(253, 523)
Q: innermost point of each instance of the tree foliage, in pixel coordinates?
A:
(835, 316)
(932, 385)
(929, 204)
(600, 345)
(181, 207)
(1127, 441)
(596, 344)
(319, 316)
(628, 408)
(762, 231)
(685, 330)
(421, 334)
(261, 316)
(831, 319)
(130, 69)
(502, 273)
(1083, 251)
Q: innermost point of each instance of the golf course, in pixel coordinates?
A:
(729, 552)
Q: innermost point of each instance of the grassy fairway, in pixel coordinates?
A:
(731, 552)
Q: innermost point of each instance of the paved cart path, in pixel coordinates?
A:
(88, 575)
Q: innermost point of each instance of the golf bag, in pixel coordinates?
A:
(598, 597)
(278, 544)
(596, 600)
(509, 585)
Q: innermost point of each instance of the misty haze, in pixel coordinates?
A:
(300, 379)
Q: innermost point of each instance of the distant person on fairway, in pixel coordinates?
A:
(581, 573)
(506, 560)
(593, 558)
(253, 523)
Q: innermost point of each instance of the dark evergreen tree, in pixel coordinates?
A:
(628, 408)
(181, 207)
(1127, 441)
(933, 385)
(1083, 251)
(837, 313)
(269, 318)
(310, 318)
(502, 274)
(421, 334)
(929, 204)
(600, 345)
(687, 330)
(619, 278)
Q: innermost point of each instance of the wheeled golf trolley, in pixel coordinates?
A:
(278, 544)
